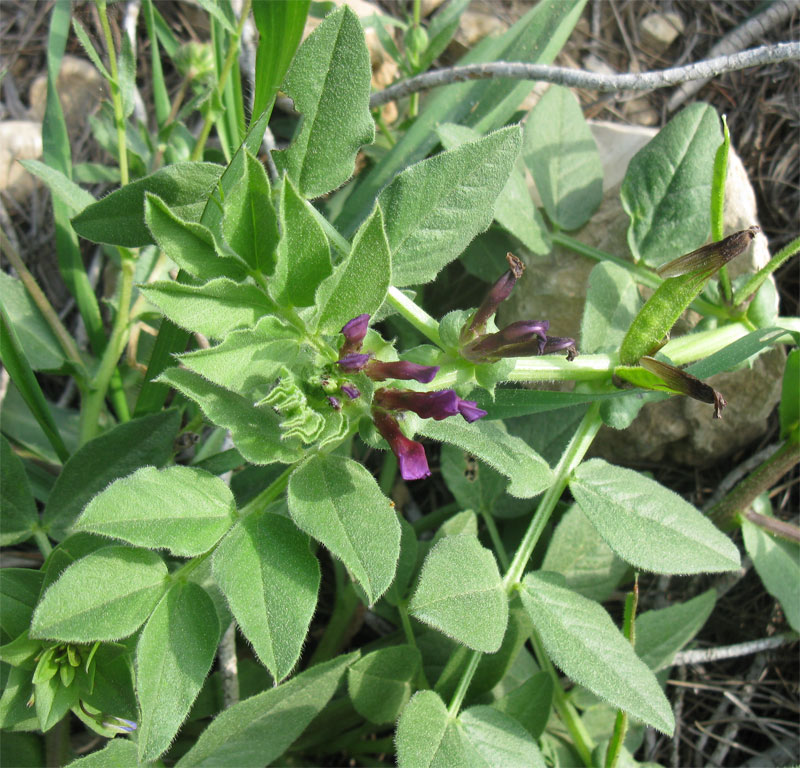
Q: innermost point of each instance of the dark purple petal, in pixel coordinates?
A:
(335, 403)
(351, 391)
(410, 454)
(354, 332)
(559, 343)
(523, 330)
(498, 293)
(355, 361)
(429, 405)
(680, 381)
(402, 369)
(519, 339)
(470, 411)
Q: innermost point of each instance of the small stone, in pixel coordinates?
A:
(659, 30)
(19, 140)
(592, 63)
(640, 112)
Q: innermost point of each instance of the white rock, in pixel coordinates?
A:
(659, 30)
(19, 140)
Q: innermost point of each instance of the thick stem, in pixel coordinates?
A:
(415, 315)
(742, 496)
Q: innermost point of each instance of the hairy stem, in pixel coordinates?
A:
(116, 96)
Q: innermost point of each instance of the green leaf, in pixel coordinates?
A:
(53, 700)
(511, 403)
(612, 301)
(280, 28)
(530, 703)
(581, 639)
(580, 555)
(270, 579)
(360, 282)
(461, 594)
(17, 505)
(91, 51)
(213, 309)
(514, 208)
(189, 244)
(256, 431)
(647, 525)
(39, 343)
(304, 257)
(736, 352)
(257, 731)
(329, 82)
(427, 737)
(778, 565)
(434, 208)
(250, 224)
(261, 351)
(118, 219)
(487, 104)
(117, 752)
(789, 408)
(19, 591)
(120, 451)
(15, 715)
(74, 198)
(173, 657)
(182, 509)
(660, 634)
(338, 502)
(381, 683)
(106, 595)
(489, 441)
(667, 187)
(563, 159)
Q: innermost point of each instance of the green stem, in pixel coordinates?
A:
(641, 274)
(463, 683)
(233, 53)
(93, 403)
(573, 455)
(345, 604)
(718, 204)
(268, 495)
(415, 315)
(434, 519)
(388, 472)
(754, 282)
(497, 542)
(408, 630)
(724, 513)
(383, 128)
(45, 547)
(582, 740)
(116, 96)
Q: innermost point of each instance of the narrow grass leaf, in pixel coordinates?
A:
(270, 579)
(173, 657)
(74, 198)
(581, 639)
(461, 594)
(182, 509)
(648, 525)
(105, 596)
(339, 503)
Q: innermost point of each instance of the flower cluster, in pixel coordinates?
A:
(519, 339)
(386, 402)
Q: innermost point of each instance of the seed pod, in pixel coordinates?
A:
(673, 296)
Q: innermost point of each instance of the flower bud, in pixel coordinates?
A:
(680, 381)
(498, 293)
(351, 391)
(411, 459)
(353, 362)
(709, 258)
(354, 332)
(401, 369)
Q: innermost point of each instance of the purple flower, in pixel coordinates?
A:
(351, 391)
(470, 411)
(558, 343)
(353, 362)
(410, 454)
(436, 405)
(498, 293)
(508, 342)
(401, 369)
(120, 724)
(354, 332)
(335, 403)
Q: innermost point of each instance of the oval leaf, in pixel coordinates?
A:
(182, 509)
(258, 730)
(104, 596)
(580, 637)
(460, 593)
(668, 185)
(421, 731)
(563, 159)
(173, 657)
(648, 525)
(16, 500)
(338, 502)
(270, 579)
